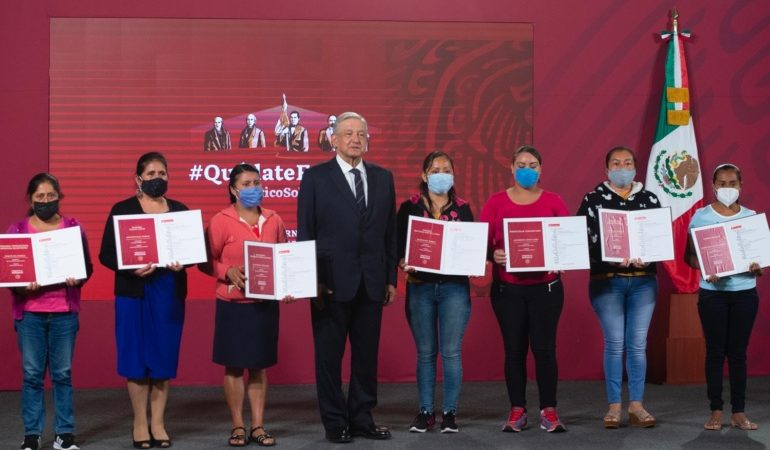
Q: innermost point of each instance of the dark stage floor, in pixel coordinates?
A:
(197, 418)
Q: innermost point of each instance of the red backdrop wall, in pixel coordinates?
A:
(597, 78)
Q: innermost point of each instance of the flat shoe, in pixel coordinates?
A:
(263, 440)
(237, 439)
(745, 425)
(714, 423)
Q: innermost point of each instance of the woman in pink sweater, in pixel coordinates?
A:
(245, 330)
(527, 304)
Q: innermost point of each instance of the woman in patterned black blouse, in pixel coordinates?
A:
(437, 306)
(622, 294)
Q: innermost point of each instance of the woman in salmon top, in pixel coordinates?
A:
(245, 329)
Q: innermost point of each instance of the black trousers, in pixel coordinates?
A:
(529, 315)
(727, 318)
(333, 323)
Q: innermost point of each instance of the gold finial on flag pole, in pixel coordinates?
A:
(674, 20)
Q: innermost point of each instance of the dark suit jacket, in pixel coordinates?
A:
(349, 246)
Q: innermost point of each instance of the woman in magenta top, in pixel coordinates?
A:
(245, 329)
(46, 321)
(527, 304)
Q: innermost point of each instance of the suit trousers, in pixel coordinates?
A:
(333, 322)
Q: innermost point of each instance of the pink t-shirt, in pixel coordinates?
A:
(47, 300)
(499, 207)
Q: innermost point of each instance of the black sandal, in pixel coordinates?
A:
(161, 443)
(261, 438)
(143, 444)
(238, 440)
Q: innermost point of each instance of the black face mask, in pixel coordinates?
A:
(155, 188)
(45, 211)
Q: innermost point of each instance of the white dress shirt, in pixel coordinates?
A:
(352, 178)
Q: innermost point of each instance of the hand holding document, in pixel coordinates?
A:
(730, 247)
(546, 244)
(47, 258)
(159, 239)
(445, 247)
(274, 271)
(644, 234)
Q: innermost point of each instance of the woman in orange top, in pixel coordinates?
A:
(245, 330)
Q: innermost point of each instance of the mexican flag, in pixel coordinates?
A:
(673, 172)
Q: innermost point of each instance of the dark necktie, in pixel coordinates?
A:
(360, 199)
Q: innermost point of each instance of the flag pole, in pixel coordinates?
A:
(674, 20)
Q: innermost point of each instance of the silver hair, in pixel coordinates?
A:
(347, 116)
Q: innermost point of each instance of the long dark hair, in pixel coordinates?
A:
(426, 164)
(237, 170)
(36, 181)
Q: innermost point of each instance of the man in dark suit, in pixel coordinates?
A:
(349, 208)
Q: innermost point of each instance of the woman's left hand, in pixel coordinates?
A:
(637, 263)
(175, 266)
(499, 256)
(71, 282)
(288, 299)
(756, 269)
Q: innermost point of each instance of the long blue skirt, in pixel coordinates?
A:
(148, 330)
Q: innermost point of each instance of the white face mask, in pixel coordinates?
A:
(727, 196)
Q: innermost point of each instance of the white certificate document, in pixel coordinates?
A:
(645, 234)
(159, 239)
(274, 271)
(730, 247)
(446, 247)
(48, 257)
(545, 244)
(59, 255)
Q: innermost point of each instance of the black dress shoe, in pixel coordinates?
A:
(341, 436)
(372, 432)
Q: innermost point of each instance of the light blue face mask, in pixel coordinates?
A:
(440, 183)
(621, 177)
(526, 177)
(251, 197)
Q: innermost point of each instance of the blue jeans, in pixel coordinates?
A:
(47, 340)
(438, 314)
(624, 306)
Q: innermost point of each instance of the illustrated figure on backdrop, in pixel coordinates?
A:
(46, 322)
(217, 138)
(727, 306)
(348, 207)
(289, 134)
(437, 306)
(527, 305)
(622, 294)
(245, 329)
(325, 135)
(251, 136)
(149, 309)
